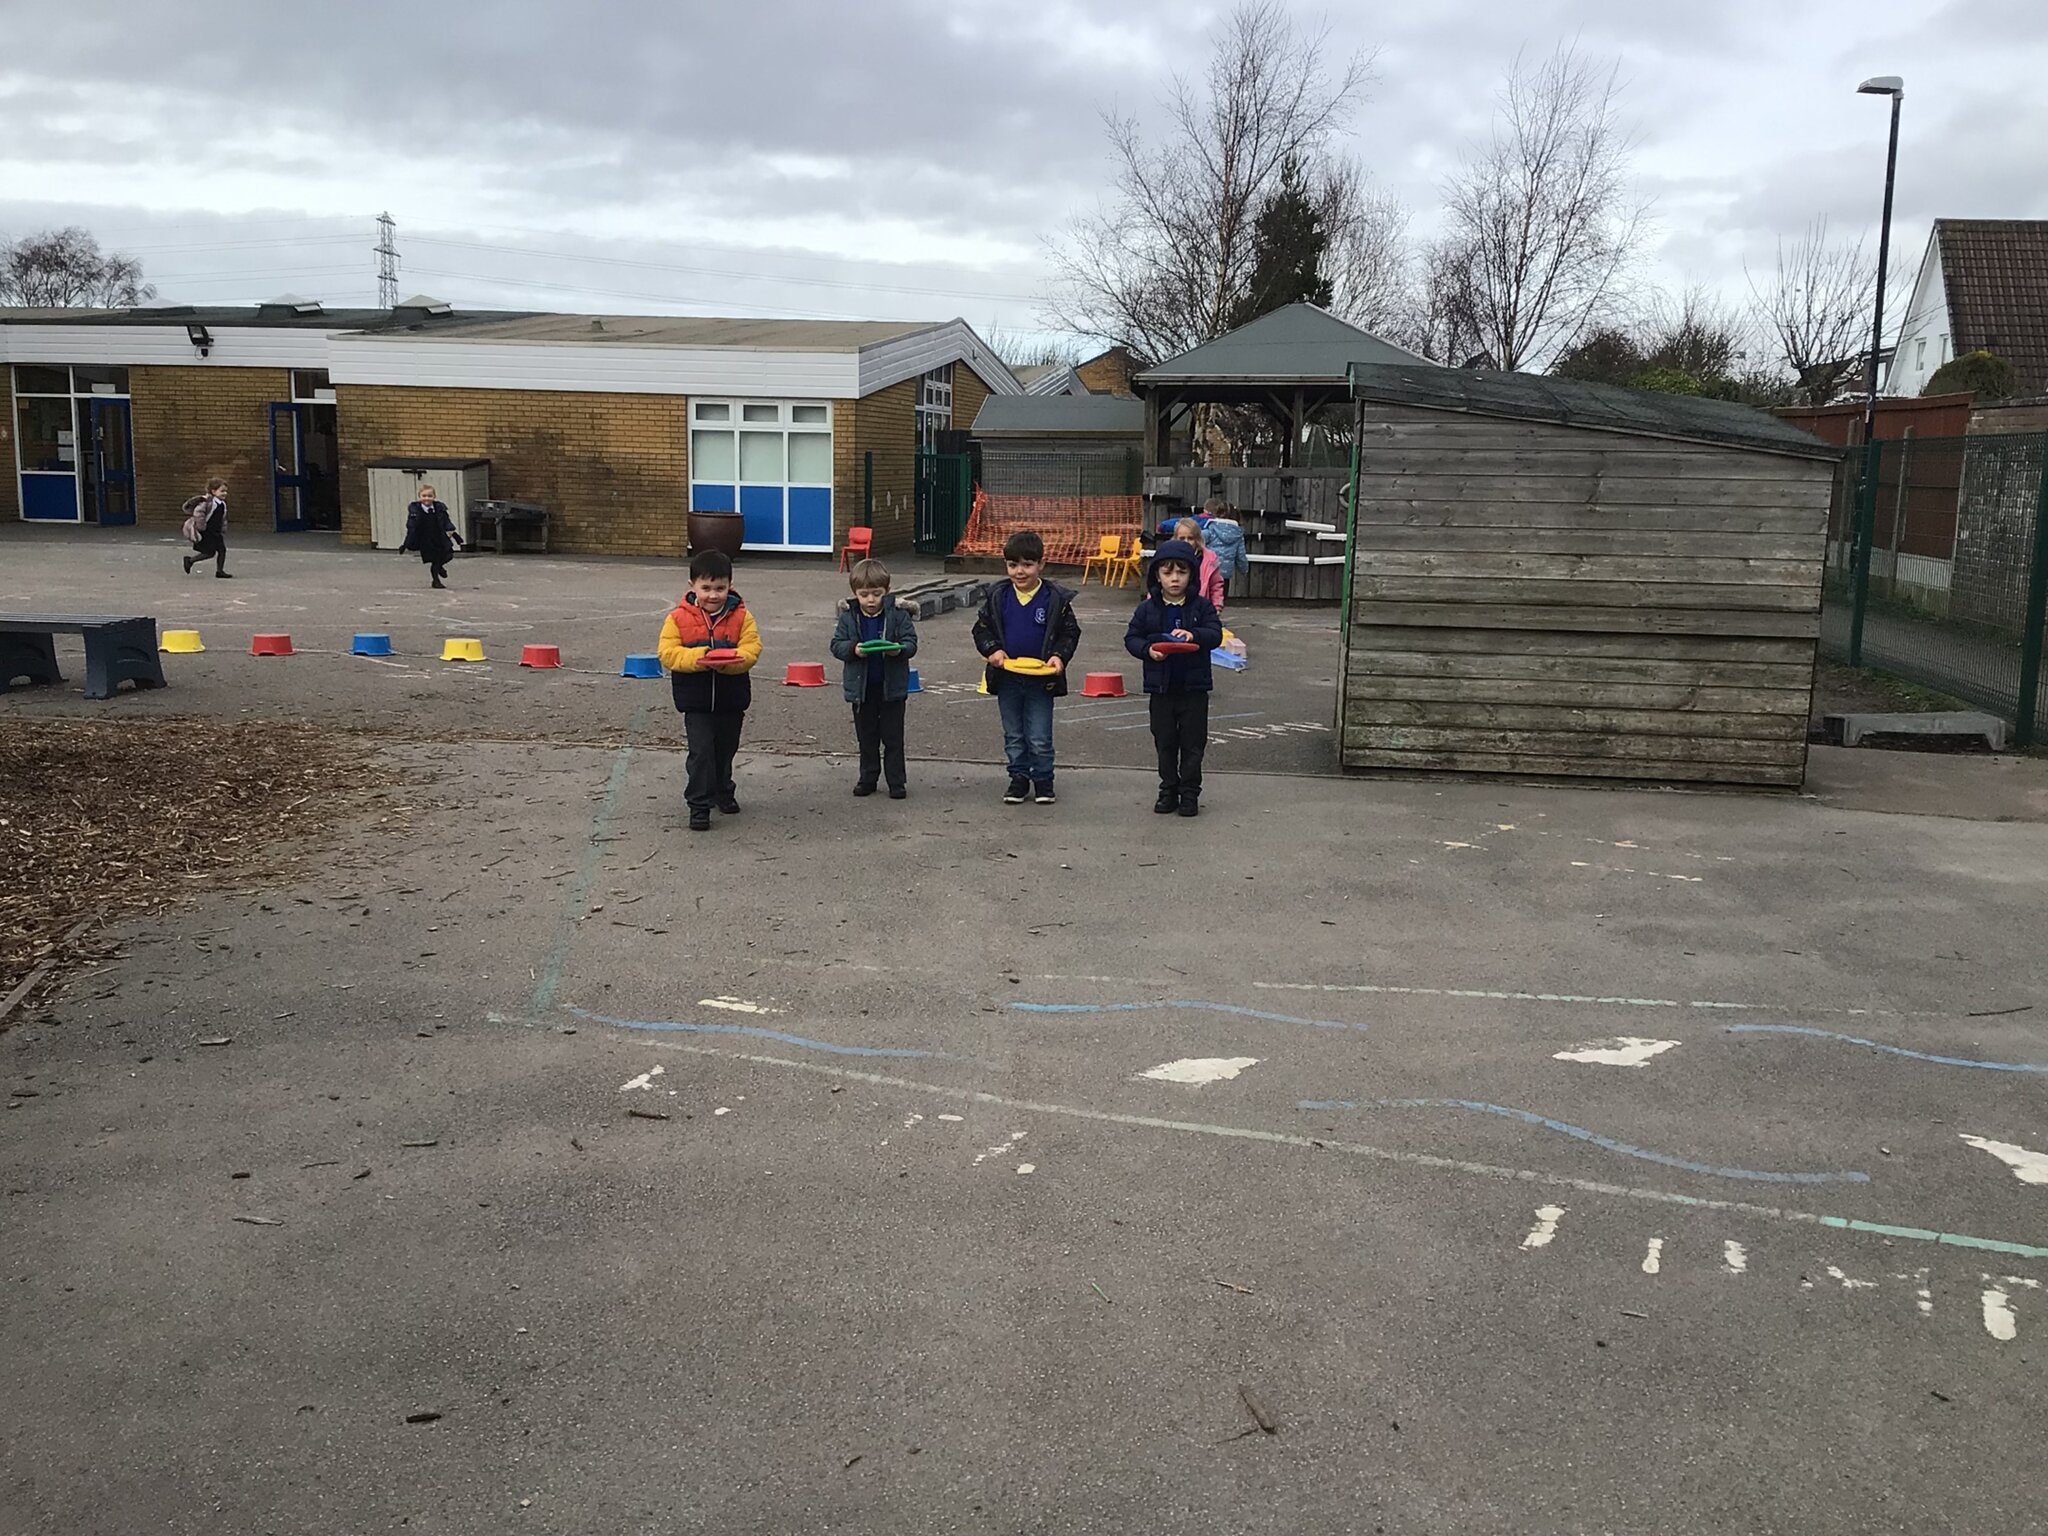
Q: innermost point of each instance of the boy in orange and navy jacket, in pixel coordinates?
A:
(713, 697)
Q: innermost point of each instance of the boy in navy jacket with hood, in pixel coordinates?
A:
(1177, 686)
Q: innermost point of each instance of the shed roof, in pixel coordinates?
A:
(1996, 274)
(1573, 403)
(1296, 344)
(1060, 416)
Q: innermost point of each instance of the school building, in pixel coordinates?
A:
(619, 425)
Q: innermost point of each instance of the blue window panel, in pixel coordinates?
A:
(49, 498)
(711, 498)
(761, 506)
(810, 517)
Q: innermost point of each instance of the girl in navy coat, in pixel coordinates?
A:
(1177, 684)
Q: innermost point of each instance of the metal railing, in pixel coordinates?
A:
(1938, 568)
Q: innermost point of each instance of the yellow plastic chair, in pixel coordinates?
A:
(1105, 556)
(1130, 566)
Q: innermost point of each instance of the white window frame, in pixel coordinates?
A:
(319, 396)
(735, 422)
(72, 395)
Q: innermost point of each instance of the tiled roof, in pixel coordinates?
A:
(1996, 272)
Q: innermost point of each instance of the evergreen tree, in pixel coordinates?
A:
(1288, 244)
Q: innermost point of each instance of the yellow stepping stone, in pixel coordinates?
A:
(462, 650)
(180, 642)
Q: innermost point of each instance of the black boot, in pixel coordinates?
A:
(1168, 801)
(1191, 802)
(188, 565)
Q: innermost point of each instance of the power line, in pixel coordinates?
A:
(768, 277)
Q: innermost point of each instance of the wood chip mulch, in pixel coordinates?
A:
(99, 821)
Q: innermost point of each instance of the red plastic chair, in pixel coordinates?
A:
(860, 543)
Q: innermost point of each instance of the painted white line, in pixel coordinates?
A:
(1923, 1293)
(2027, 1165)
(1849, 1282)
(735, 1005)
(1547, 1218)
(1532, 1176)
(1653, 1260)
(1623, 1051)
(1197, 1070)
(1734, 1257)
(1003, 1150)
(1999, 1320)
(954, 1118)
(644, 1080)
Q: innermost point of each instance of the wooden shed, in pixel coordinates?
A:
(1564, 579)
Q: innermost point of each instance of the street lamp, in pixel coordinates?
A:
(1894, 87)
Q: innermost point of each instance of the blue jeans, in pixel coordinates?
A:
(1027, 728)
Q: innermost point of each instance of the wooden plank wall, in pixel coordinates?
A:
(1537, 599)
(1287, 563)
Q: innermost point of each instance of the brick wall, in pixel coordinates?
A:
(194, 423)
(885, 423)
(10, 482)
(612, 469)
(1110, 373)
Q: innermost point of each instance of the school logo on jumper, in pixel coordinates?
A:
(1038, 616)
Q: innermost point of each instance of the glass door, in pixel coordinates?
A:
(113, 463)
(288, 479)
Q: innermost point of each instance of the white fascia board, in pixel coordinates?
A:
(606, 368)
(883, 363)
(164, 346)
(1926, 315)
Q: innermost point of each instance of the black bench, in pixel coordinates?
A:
(117, 650)
(495, 518)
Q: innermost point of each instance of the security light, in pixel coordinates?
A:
(1882, 85)
(200, 337)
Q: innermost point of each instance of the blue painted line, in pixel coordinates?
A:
(1249, 1013)
(1582, 1134)
(574, 901)
(754, 1031)
(1892, 1050)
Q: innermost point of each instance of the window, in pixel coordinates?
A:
(934, 406)
(312, 384)
(1920, 354)
(99, 381)
(35, 380)
(768, 460)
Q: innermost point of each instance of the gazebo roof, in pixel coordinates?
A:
(1298, 344)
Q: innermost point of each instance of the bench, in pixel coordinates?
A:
(494, 518)
(117, 650)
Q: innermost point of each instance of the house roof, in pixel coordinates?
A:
(1060, 416)
(673, 331)
(1574, 403)
(1296, 344)
(1996, 273)
(278, 314)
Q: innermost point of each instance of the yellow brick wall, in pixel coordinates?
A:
(194, 423)
(10, 482)
(885, 424)
(612, 469)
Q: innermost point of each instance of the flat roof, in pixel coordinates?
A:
(666, 331)
(1574, 403)
(1060, 416)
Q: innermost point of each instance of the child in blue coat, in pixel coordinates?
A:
(1177, 685)
(878, 687)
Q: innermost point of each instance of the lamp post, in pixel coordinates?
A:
(1894, 87)
(1866, 493)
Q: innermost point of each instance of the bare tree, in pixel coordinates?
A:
(65, 269)
(1031, 349)
(1695, 333)
(1368, 258)
(1816, 306)
(1545, 210)
(1162, 265)
(1438, 319)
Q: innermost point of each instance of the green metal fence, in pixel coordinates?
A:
(1938, 568)
(945, 495)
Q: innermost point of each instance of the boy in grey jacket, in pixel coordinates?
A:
(877, 681)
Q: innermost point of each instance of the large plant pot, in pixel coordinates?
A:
(722, 531)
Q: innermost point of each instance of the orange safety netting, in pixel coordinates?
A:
(1073, 527)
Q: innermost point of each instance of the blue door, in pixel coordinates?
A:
(113, 464)
(288, 480)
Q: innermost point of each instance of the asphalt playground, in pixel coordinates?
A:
(1365, 1156)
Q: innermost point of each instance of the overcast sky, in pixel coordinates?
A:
(906, 158)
